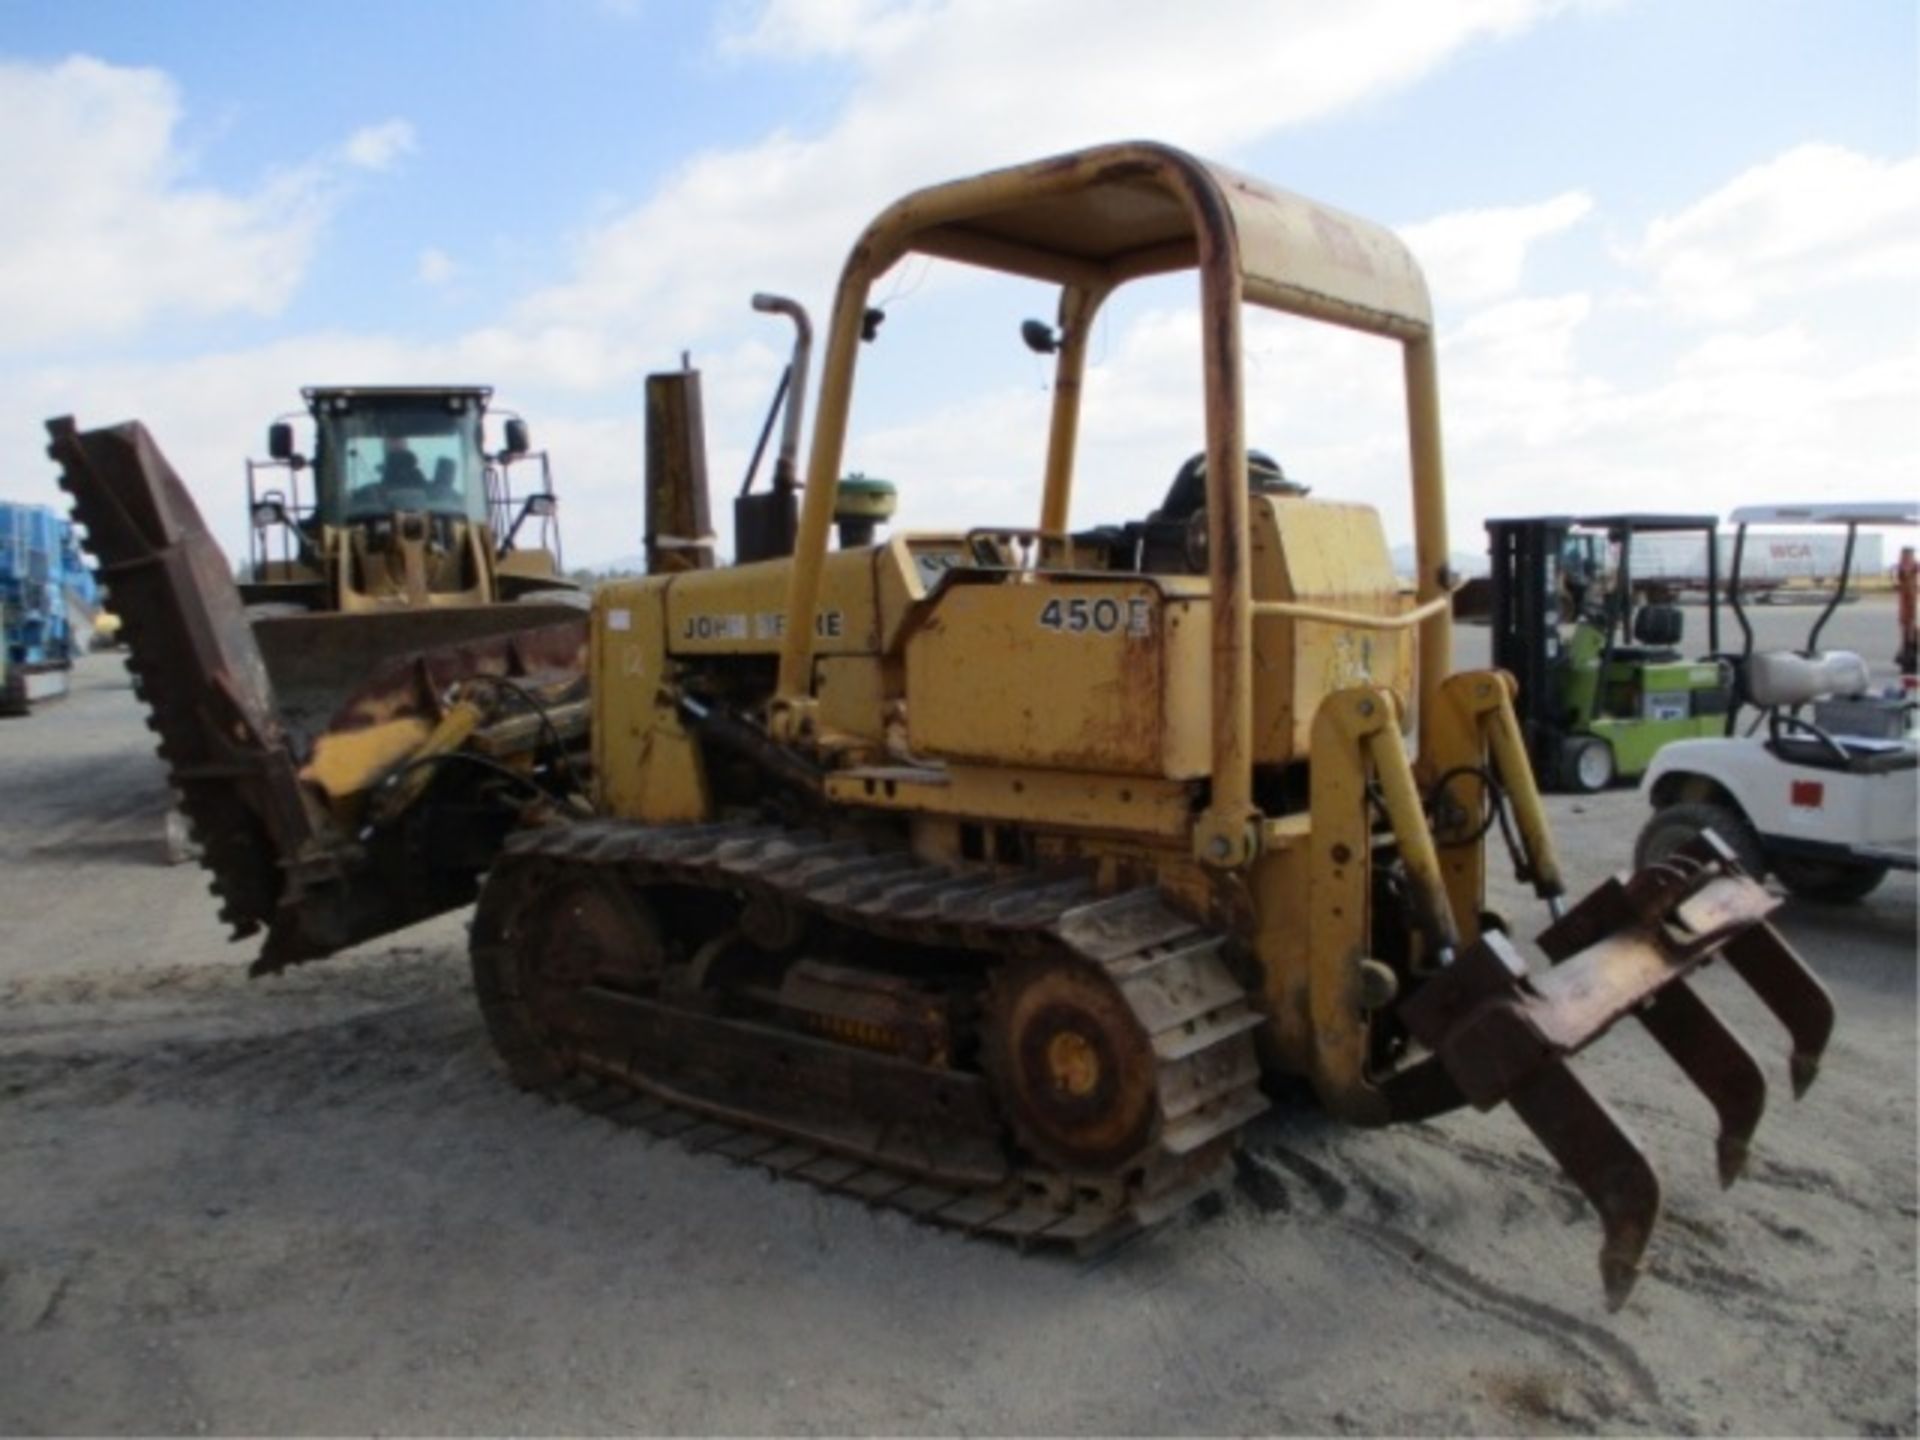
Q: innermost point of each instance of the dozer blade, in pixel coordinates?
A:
(280, 858)
(1502, 1035)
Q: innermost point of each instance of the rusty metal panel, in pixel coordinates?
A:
(1328, 554)
(1056, 799)
(1067, 672)
(1298, 254)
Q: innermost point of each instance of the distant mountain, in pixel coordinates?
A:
(1465, 563)
(622, 565)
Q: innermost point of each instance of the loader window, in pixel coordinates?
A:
(423, 459)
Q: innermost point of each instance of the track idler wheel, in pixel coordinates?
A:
(543, 932)
(1072, 1066)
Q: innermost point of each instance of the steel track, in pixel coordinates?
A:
(1167, 968)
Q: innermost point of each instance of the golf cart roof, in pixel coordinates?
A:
(1620, 522)
(1831, 512)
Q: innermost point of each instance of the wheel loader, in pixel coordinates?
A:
(406, 524)
(396, 681)
(991, 874)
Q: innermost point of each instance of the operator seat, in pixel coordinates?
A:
(1172, 539)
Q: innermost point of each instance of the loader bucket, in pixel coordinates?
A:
(317, 664)
(1500, 1035)
(233, 740)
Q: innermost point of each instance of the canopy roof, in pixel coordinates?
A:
(1101, 216)
(396, 392)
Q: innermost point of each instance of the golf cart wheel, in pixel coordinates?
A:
(1674, 826)
(1833, 882)
(1586, 765)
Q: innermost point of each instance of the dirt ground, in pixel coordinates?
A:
(313, 1204)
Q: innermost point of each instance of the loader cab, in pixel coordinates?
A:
(374, 458)
(1586, 618)
(400, 505)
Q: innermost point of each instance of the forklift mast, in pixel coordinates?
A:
(1525, 556)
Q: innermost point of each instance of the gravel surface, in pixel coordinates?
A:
(313, 1203)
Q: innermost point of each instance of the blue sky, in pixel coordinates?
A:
(1675, 244)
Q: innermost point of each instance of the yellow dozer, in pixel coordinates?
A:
(988, 875)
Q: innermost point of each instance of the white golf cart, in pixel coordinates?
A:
(1820, 786)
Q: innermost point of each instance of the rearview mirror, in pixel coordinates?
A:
(1040, 337)
(517, 443)
(280, 440)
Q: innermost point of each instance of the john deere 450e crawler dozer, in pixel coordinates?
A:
(987, 874)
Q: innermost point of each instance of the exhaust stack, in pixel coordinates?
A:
(765, 526)
(679, 520)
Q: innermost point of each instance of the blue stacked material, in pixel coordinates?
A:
(40, 568)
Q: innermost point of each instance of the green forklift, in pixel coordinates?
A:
(1596, 650)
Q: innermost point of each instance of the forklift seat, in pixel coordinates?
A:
(1658, 625)
(1656, 631)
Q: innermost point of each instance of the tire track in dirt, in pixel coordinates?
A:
(290, 1057)
(1607, 1359)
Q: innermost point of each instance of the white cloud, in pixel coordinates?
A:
(1554, 396)
(946, 89)
(436, 267)
(102, 228)
(1473, 256)
(1816, 217)
(804, 29)
(379, 147)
